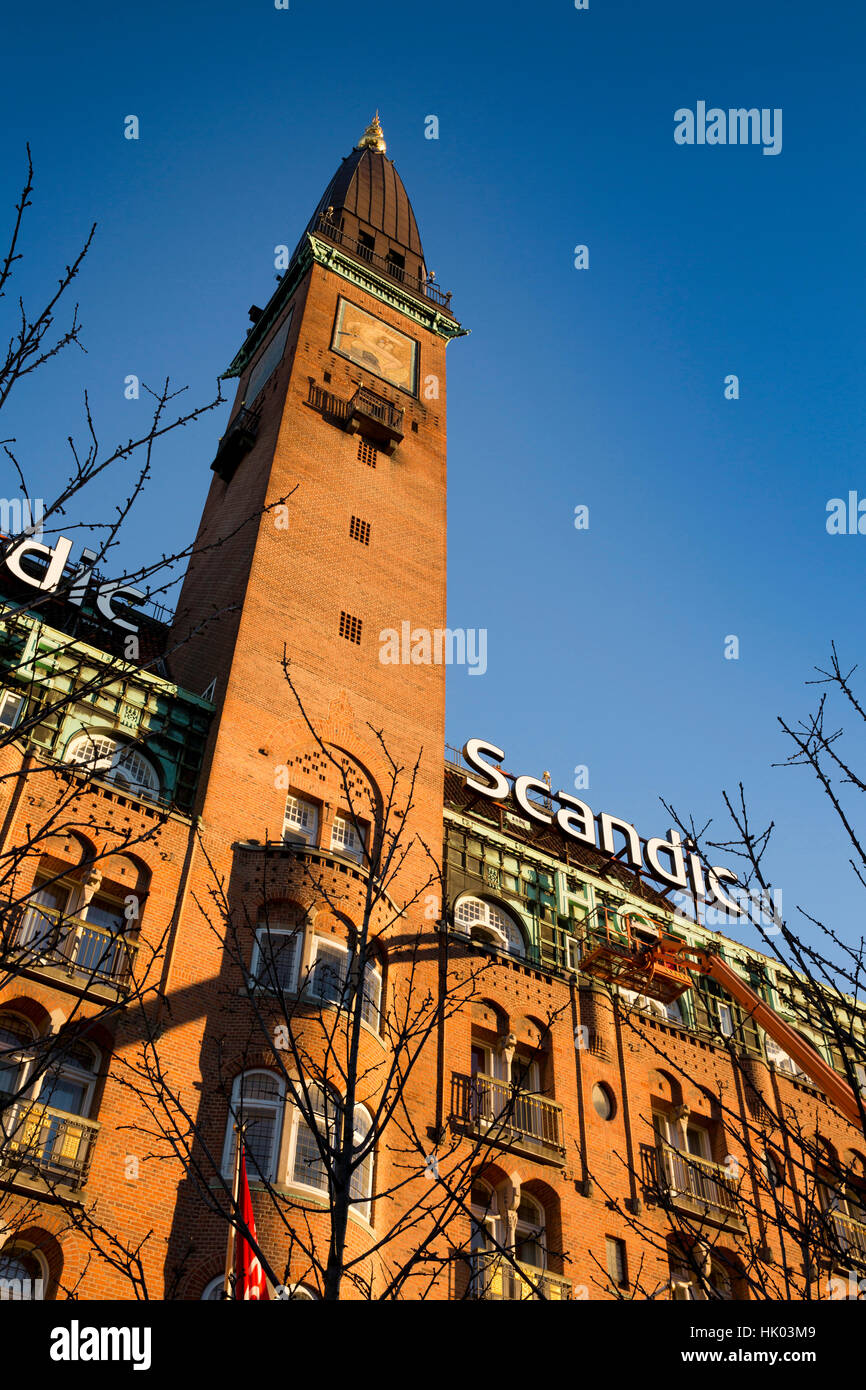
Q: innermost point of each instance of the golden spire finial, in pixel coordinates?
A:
(373, 139)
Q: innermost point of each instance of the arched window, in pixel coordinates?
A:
(361, 1184)
(16, 1043)
(23, 1273)
(670, 1012)
(257, 1101)
(529, 1245)
(47, 1128)
(781, 1061)
(215, 1291)
(700, 1279)
(309, 1169)
(489, 923)
(69, 1080)
(115, 761)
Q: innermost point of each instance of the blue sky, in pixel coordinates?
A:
(602, 387)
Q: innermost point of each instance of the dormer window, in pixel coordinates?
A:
(114, 761)
(302, 821)
(487, 923)
(345, 838)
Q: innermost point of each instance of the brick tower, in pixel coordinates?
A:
(340, 410)
(325, 526)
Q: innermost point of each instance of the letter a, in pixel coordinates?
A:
(684, 130)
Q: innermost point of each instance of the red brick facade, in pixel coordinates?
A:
(278, 563)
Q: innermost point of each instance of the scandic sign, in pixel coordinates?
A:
(56, 558)
(672, 861)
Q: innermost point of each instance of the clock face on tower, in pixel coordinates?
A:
(375, 345)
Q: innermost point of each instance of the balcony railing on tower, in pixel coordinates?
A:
(237, 441)
(42, 936)
(507, 1115)
(426, 288)
(49, 1142)
(376, 418)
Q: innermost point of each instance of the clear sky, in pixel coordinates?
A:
(602, 387)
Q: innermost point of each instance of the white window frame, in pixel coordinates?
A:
(65, 1066)
(532, 1230)
(304, 827)
(372, 978)
(20, 1056)
(263, 959)
(778, 1058)
(273, 1104)
(107, 755)
(327, 1111)
(496, 926)
(668, 1013)
(350, 841)
(7, 698)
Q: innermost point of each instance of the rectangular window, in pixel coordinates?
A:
(371, 1001)
(328, 973)
(268, 362)
(11, 706)
(302, 820)
(345, 838)
(351, 628)
(359, 530)
(616, 1267)
(726, 1020)
(275, 959)
(330, 980)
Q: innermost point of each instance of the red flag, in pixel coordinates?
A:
(250, 1281)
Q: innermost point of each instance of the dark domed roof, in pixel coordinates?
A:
(368, 185)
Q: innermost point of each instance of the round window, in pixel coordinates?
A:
(603, 1102)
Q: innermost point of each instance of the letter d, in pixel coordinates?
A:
(53, 574)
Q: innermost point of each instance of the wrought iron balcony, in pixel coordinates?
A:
(506, 1115)
(237, 441)
(42, 936)
(427, 289)
(376, 417)
(696, 1183)
(50, 1142)
(495, 1278)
